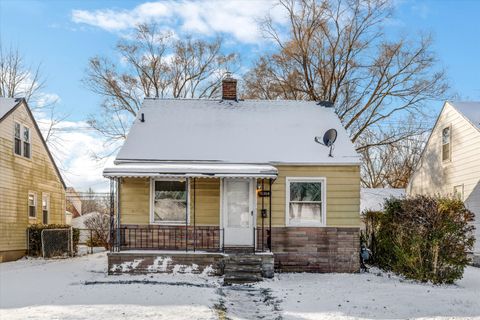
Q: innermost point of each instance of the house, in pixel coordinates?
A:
(31, 187)
(450, 162)
(232, 175)
(74, 203)
(373, 199)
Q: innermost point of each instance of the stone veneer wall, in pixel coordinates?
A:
(327, 249)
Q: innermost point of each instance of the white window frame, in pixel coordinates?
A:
(152, 199)
(22, 139)
(462, 189)
(323, 181)
(47, 197)
(35, 201)
(449, 127)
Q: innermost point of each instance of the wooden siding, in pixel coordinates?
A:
(343, 197)
(434, 176)
(343, 193)
(18, 176)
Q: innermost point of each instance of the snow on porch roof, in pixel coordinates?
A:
(247, 131)
(211, 170)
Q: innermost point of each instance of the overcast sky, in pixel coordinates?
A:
(63, 35)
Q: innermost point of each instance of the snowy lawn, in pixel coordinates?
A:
(79, 288)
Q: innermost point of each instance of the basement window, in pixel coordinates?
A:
(458, 192)
(169, 201)
(446, 143)
(32, 205)
(305, 202)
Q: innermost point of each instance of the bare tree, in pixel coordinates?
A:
(153, 64)
(391, 165)
(336, 51)
(19, 80)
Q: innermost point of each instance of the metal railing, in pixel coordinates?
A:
(170, 238)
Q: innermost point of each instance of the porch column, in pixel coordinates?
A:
(194, 215)
(112, 215)
(270, 215)
(119, 240)
(187, 180)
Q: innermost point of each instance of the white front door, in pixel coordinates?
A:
(238, 212)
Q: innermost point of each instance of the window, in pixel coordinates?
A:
(458, 192)
(305, 203)
(45, 207)
(32, 205)
(17, 139)
(26, 142)
(446, 139)
(169, 201)
(22, 140)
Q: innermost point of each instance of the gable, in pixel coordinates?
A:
(245, 131)
(21, 113)
(433, 175)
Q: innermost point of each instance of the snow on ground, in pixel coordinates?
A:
(78, 288)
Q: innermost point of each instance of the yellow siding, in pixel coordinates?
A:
(343, 197)
(343, 193)
(135, 201)
(18, 176)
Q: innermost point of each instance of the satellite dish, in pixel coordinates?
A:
(328, 140)
(330, 137)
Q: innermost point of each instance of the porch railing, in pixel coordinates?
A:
(169, 238)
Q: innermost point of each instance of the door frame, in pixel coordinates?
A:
(253, 207)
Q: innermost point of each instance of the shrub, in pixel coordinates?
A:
(35, 237)
(423, 238)
(100, 225)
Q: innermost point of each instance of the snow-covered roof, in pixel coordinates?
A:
(373, 198)
(469, 109)
(247, 131)
(213, 170)
(7, 104)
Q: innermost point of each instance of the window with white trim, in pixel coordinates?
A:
(26, 142)
(17, 139)
(305, 202)
(21, 140)
(32, 205)
(169, 201)
(446, 143)
(458, 192)
(45, 207)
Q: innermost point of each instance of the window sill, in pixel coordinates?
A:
(309, 225)
(22, 157)
(169, 223)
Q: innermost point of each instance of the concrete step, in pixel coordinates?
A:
(244, 268)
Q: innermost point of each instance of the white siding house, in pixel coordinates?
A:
(450, 163)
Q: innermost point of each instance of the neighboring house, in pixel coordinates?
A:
(31, 187)
(450, 163)
(373, 199)
(74, 202)
(239, 175)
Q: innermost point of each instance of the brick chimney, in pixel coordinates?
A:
(229, 88)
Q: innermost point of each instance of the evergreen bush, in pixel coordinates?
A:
(35, 237)
(423, 238)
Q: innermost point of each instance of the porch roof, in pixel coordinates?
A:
(206, 170)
